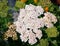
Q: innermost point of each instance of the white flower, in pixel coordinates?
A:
(33, 14)
(30, 7)
(24, 36)
(38, 33)
(54, 19)
(48, 19)
(39, 9)
(47, 22)
(22, 14)
(32, 41)
(49, 25)
(32, 38)
(28, 23)
(51, 17)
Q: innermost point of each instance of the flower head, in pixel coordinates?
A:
(27, 22)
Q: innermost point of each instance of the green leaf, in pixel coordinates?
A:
(44, 42)
(54, 43)
(43, 3)
(52, 32)
(3, 8)
(38, 45)
(20, 4)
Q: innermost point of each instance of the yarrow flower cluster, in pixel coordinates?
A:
(28, 23)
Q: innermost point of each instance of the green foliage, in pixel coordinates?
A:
(44, 3)
(4, 16)
(3, 8)
(54, 43)
(19, 4)
(54, 9)
(30, 2)
(44, 42)
(52, 32)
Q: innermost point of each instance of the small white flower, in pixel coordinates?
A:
(32, 38)
(38, 33)
(30, 7)
(32, 41)
(22, 14)
(51, 17)
(49, 25)
(24, 38)
(39, 9)
(47, 22)
(54, 19)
